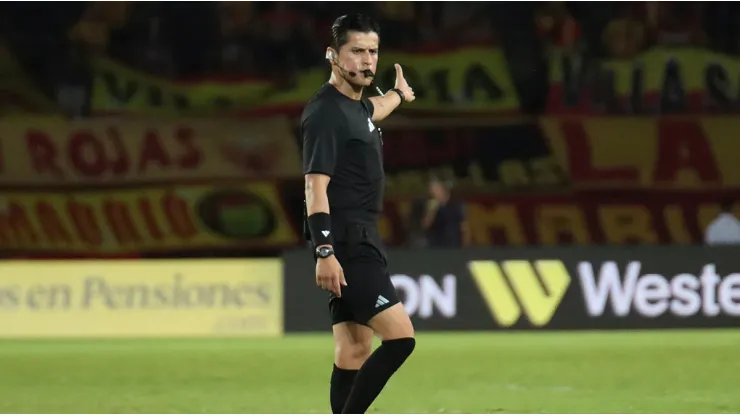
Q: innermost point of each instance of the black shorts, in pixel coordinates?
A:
(369, 289)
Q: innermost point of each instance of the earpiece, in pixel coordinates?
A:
(330, 55)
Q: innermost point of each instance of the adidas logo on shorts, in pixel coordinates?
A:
(381, 301)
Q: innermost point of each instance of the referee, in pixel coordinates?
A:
(343, 168)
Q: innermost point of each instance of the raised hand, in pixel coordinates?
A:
(402, 85)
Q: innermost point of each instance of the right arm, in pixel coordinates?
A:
(320, 151)
(319, 161)
(315, 192)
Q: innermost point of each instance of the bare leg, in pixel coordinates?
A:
(394, 327)
(352, 346)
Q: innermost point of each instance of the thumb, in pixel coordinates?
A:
(399, 71)
(344, 281)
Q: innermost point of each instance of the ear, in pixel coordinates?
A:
(329, 55)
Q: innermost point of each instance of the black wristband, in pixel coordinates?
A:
(400, 94)
(320, 226)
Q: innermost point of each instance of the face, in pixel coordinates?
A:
(437, 190)
(358, 54)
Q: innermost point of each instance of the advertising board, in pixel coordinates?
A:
(544, 288)
(153, 298)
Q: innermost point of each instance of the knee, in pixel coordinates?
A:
(352, 355)
(393, 323)
(403, 346)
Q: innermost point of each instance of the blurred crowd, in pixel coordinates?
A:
(186, 40)
(55, 42)
(193, 39)
(622, 30)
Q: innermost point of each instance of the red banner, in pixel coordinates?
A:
(612, 217)
(631, 181)
(665, 153)
(41, 152)
(561, 153)
(145, 220)
(481, 157)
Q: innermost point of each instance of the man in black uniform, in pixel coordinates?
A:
(343, 168)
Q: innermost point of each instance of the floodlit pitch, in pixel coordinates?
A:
(553, 372)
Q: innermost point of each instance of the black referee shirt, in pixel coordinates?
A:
(341, 141)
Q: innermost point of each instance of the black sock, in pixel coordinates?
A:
(376, 372)
(341, 385)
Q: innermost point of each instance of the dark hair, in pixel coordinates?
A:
(446, 183)
(727, 204)
(351, 23)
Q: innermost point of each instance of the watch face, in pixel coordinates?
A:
(324, 251)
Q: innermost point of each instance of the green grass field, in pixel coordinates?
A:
(597, 372)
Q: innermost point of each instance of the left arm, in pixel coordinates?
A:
(384, 105)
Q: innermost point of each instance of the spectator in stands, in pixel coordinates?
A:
(71, 83)
(461, 21)
(443, 221)
(557, 28)
(142, 40)
(398, 19)
(284, 32)
(427, 33)
(114, 14)
(479, 30)
(98, 21)
(672, 23)
(725, 229)
(237, 26)
(92, 35)
(624, 37)
(157, 55)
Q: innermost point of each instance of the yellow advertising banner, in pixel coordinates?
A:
(679, 153)
(45, 151)
(145, 220)
(666, 80)
(461, 80)
(149, 298)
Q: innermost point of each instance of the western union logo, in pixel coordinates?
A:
(513, 288)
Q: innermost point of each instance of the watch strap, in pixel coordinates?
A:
(329, 251)
(400, 94)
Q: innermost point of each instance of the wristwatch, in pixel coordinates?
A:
(324, 252)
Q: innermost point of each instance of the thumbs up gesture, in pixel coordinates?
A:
(402, 85)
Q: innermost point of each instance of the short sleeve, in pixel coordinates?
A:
(320, 141)
(370, 106)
